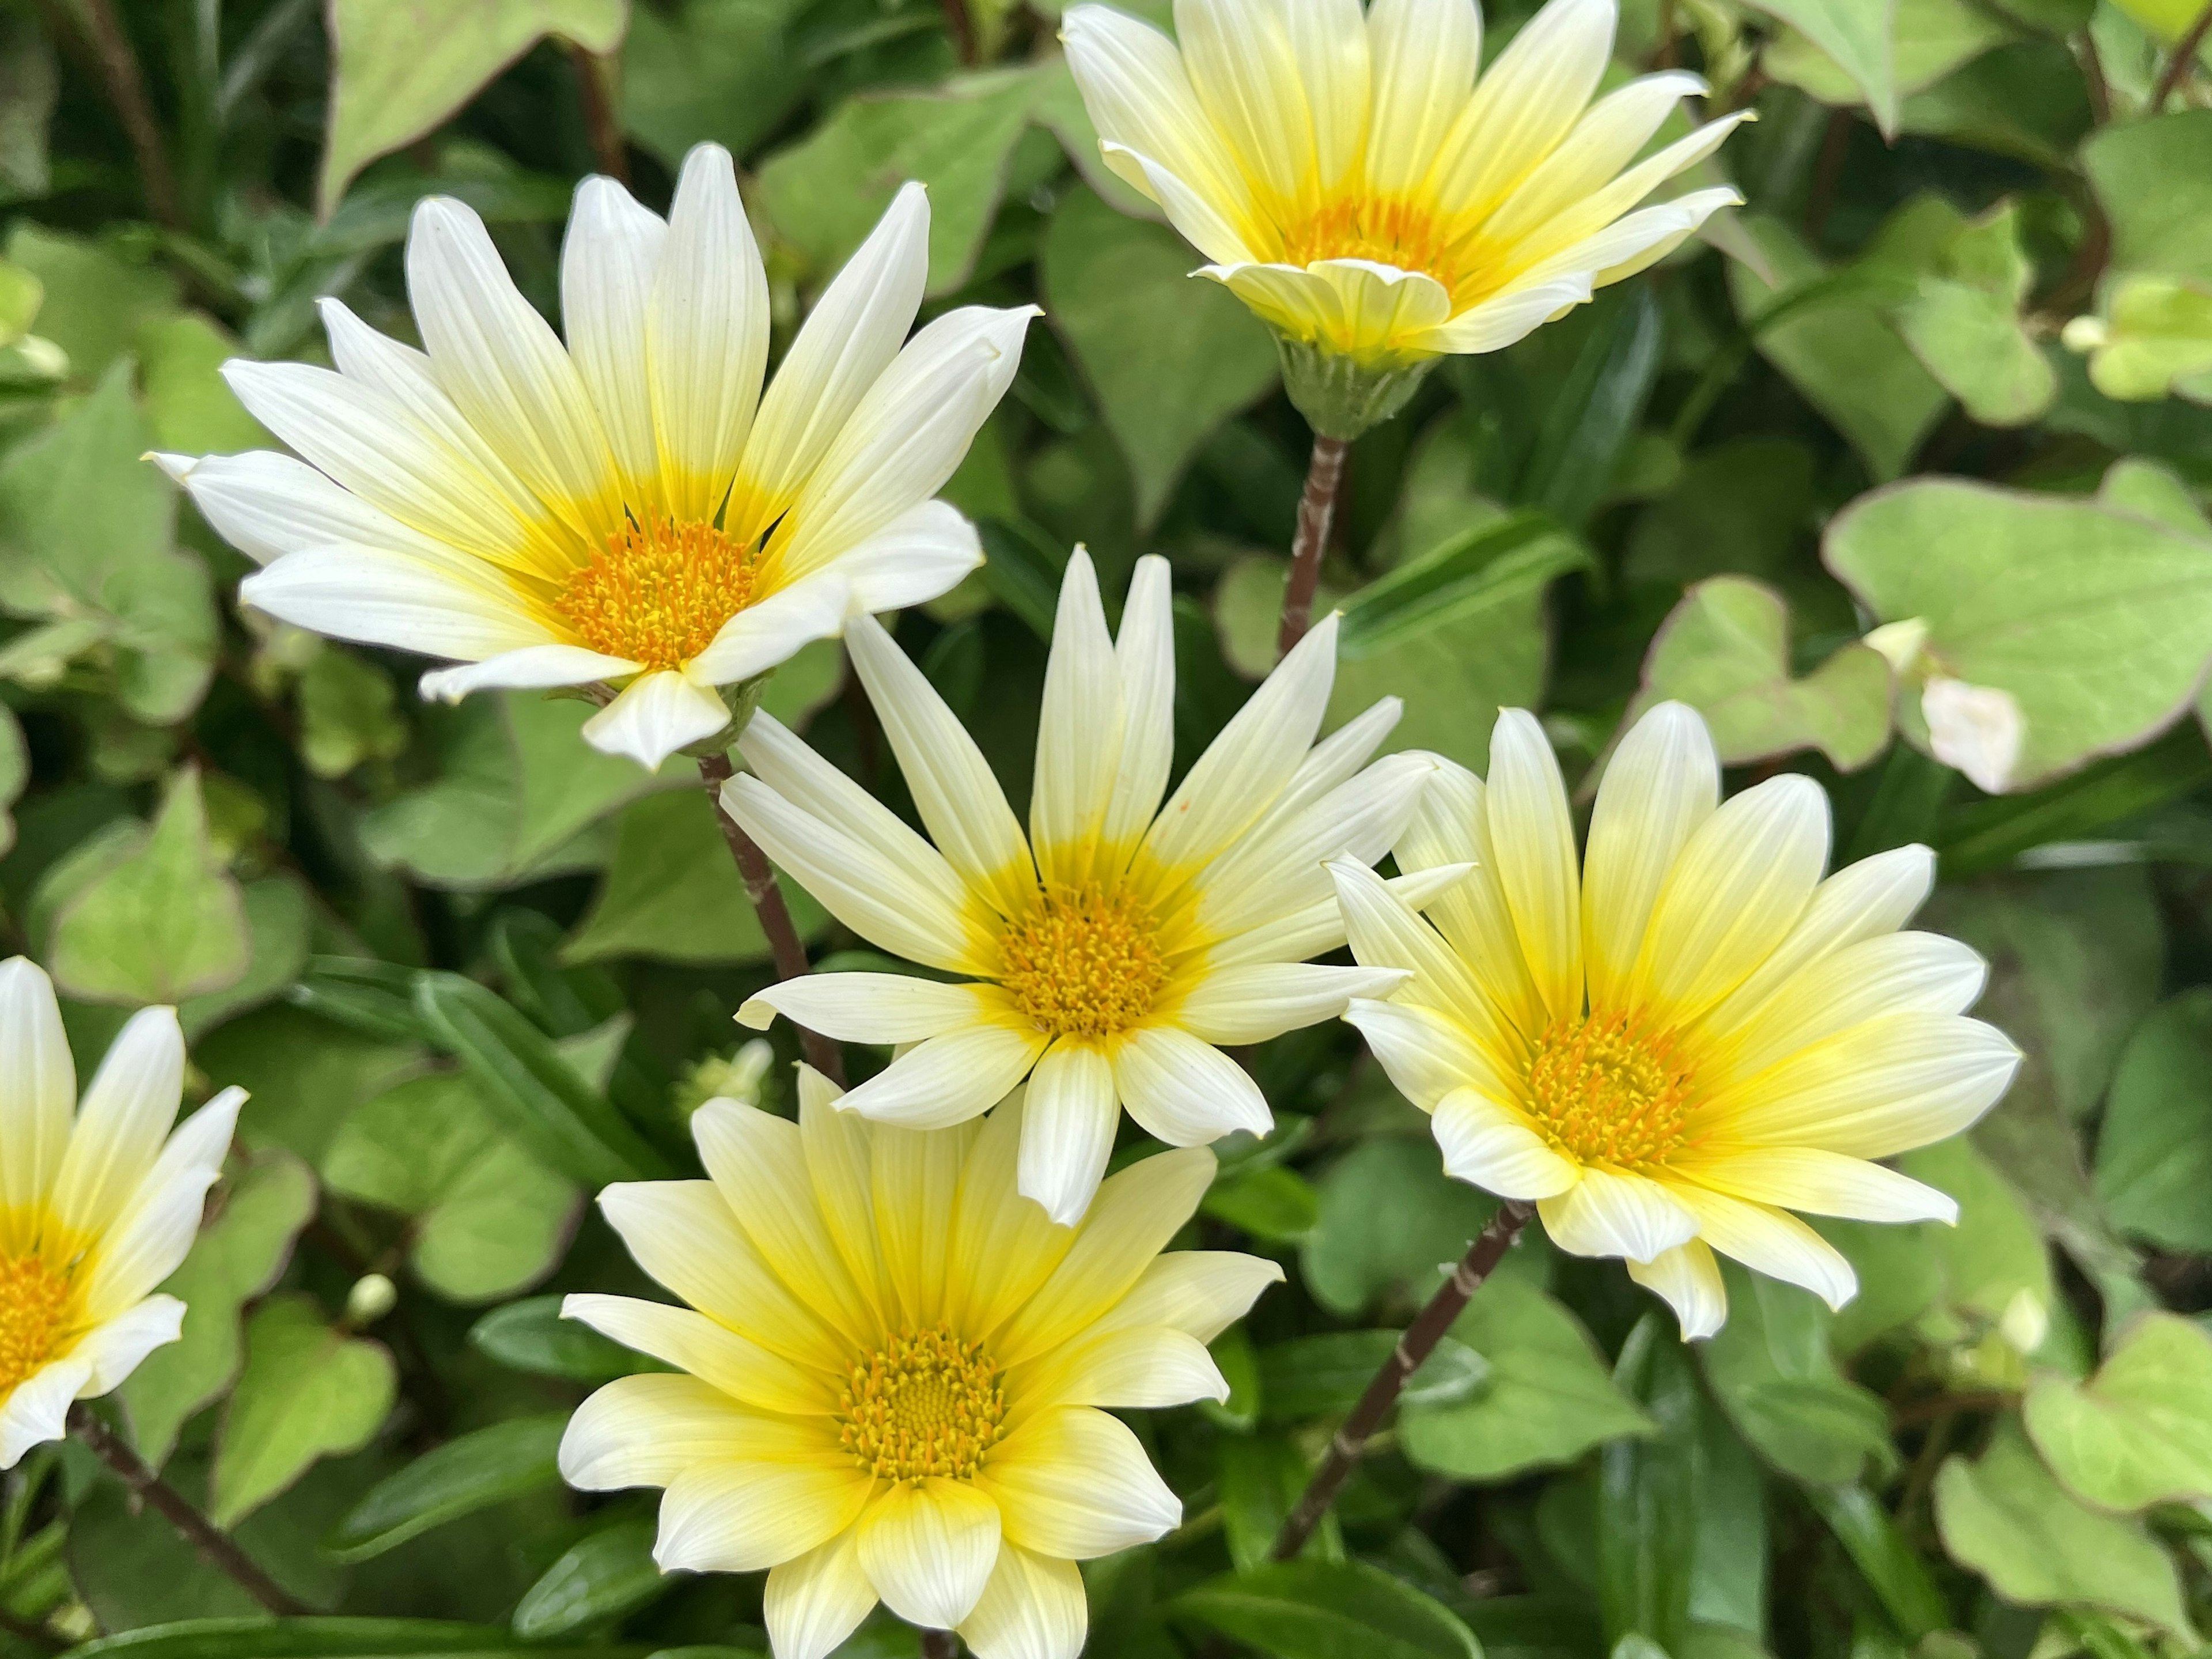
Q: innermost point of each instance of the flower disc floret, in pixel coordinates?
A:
(1085, 961)
(659, 592)
(35, 1308)
(926, 1404)
(1603, 1091)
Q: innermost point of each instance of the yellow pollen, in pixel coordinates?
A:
(928, 1405)
(1605, 1091)
(1085, 962)
(35, 1302)
(659, 592)
(1391, 231)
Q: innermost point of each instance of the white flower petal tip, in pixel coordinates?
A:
(1978, 730)
(754, 1015)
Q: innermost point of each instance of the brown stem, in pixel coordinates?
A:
(126, 90)
(2093, 76)
(714, 771)
(1419, 1340)
(2184, 54)
(961, 28)
(939, 1644)
(594, 80)
(1316, 508)
(216, 1547)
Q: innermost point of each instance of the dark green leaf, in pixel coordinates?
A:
(599, 1578)
(488, 1467)
(1327, 1610)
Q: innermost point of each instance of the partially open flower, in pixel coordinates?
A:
(1694, 1035)
(98, 1205)
(632, 510)
(896, 1383)
(1356, 185)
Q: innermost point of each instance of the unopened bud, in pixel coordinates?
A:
(373, 1296)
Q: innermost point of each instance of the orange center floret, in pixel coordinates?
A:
(33, 1313)
(1389, 231)
(928, 1405)
(1603, 1091)
(659, 592)
(1085, 962)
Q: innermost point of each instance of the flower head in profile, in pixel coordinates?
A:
(893, 1374)
(631, 509)
(1108, 952)
(1356, 185)
(1694, 1034)
(99, 1203)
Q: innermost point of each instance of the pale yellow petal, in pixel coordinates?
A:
(1425, 53)
(928, 1548)
(1903, 972)
(1532, 838)
(1200, 1293)
(1068, 1128)
(1689, 1280)
(1491, 1146)
(813, 1601)
(1073, 1482)
(1820, 1183)
(917, 1188)
(1609, 1213)
(1452, 827)
(736, 1366)
(1033, 1608)
(1129, 1367)
(1079, 733)
(1004, 1246)
(1662, 782)
(1770, 1241)
(740, 1517)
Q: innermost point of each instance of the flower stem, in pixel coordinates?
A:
(126, 89)
(759, 876)
(939, 1644)
(216, 1547)
(1316, 508)
(2184, 54)
(595, 92)
(1415, 1346)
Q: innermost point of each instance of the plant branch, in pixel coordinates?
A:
(216, 1547)
(2184, 54)
(939, 1644)
(962, 28)
(595, 88)
(1418, 1341)
(126, 90)
(1316, 508)
(759, 876)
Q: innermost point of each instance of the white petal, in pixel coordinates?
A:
(1605, 140)
(1073, 1483)
(1129, 1368)
(1426, 1053)
(1144, 658)
(705, 335)
(736, 1366)
(1534, 839)
(155, 1228)
(1078, 746)
(645, 1430)
(1185, 1092)
(1526, 102)
(1823, 1183)
(1689, 1280)
(1068, 1128)
(1506, 318)
(37, 1410)
(814, 1601)
(1662, 783)
(607, 261)
(1424, 56)
(1451, 829)
(120, 1128)
(1252, 1003)
(1894, 974)
(653, 716)
(1496, 1150)
(1609, 1213)
(770, 634)
(928, 1548)
(1385, 934)
(948, 1079)
(919, 554)
(267, 505)
(740, 1517)
(1033, 1608)
(1200, 1293)
(375, 598)
(533, 668)
(869, 1007)
(38, 1086)
(1772, 1241)
(113, 1350)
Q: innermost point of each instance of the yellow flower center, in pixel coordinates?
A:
(1389, 231)
(1604, 1090)
(659, 592)
(1085, 962)
(34, 1302)
(928, 1404)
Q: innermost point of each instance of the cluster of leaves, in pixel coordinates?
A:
(472, 970)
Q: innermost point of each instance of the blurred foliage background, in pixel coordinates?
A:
(1947, 368)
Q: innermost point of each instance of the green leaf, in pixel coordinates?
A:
(1930, 40)
(537, 1095)
(307, 1392)
(2006, 1516)
(302, 1074)
(241, 1249)
(1261, 1476)
(189, 408)
(2097, 623)
(598, 1578)
(2153, 180)
(1326, 1610)
(29, 84)
(15, 774)
(1390, 1215)
(402, 67)
(21, 294)
(1964, 324)
(1993, 1256)
(1832, 342)
(491, 1466)
(2154, 1149)
(1273, 1203)
(1860, 36)
(279, 917)
(1883, 1556)
(530, 1335)
(2139, 1432)
(1595, 412)
(2154, 339)
(1321, 1374)
(1646, 1485)
(1773, 1373)
(489, 1218)
(1725, 650)
(1170, 357)
(262, 1638)
(720, 72)
(347, 713)
(163, 923)
(1548, 1402)
(88, 530)
(95, 300)
(825, 192)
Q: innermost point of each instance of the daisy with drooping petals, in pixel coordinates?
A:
(1356, 185)
(1121, 941)
(98, 1205)
(633, 509)
(892, 1385)
(1672, 1049)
